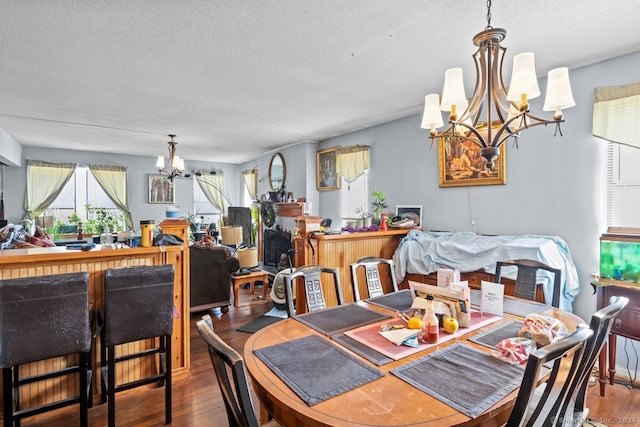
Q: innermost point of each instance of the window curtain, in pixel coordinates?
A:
(213, 188)
(352, 162)
(113, 180)
(251, 182)
(616, 113)
(45, 181)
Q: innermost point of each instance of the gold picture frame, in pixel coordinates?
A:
(327, 177)
(460, 165)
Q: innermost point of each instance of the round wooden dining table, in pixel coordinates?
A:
(387, 401)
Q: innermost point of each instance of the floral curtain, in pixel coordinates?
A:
(251, 182)
(212, 186)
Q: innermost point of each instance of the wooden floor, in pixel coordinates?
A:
(197, 402)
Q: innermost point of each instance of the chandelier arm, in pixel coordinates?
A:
(480, 141)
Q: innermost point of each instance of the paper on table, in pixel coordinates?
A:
(398, 336)
(492, 298)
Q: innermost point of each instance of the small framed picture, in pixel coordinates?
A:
(414, 212)
(327, 177)
(161, 189)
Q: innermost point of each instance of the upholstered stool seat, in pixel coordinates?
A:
(138, 305)
(41, 318)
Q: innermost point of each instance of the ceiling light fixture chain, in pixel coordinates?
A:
(495, 113)
(176, 164)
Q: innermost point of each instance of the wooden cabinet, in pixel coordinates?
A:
(619, 276)
(474, 278)
(342, 250)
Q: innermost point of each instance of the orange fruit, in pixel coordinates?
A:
(414, 323)
(450, 325)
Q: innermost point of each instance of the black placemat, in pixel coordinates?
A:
(315, 369)
(397, 301)
(363, 350)
(493, 336)
(469, 380)
(259, 323)
(341, 318)
(516, 306)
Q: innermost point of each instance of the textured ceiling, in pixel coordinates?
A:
(237, 78)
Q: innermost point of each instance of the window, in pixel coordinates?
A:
(354, 199)
(203, 207)
(622, 186)
(81, 190)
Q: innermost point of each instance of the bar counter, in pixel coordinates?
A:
(17, 263)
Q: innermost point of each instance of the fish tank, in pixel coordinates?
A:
(620, 258)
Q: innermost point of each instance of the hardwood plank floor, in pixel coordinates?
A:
(197, 401)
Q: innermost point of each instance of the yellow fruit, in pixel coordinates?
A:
(414, 323)
(450, 325)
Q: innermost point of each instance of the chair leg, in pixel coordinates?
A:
(16, 395)
(167, 384)
(7, 396)
(84, 392)
(111, 378)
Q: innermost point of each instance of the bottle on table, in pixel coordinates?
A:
(105, 238)
(430, 322)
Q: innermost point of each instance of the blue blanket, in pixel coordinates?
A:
(425, 252)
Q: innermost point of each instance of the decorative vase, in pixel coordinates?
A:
(367, 221)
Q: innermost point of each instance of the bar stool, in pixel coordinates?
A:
(138, 305)
(41, 318)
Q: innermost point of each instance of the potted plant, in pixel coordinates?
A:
(365, 216)
(378, 204)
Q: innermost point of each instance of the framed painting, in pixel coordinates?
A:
(327, 177)
(161, 189)
(460, 165)
(415, 210)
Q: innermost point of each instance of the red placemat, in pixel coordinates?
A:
(369, 335)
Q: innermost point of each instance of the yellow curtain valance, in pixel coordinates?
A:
(352, 161)
(616, 114)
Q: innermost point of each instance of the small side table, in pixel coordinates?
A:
(251, 279)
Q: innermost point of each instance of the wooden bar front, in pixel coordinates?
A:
(342, 250)
(17, 263)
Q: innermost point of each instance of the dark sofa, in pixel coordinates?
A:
(210, 270)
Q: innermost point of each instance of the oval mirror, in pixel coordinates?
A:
(277, 172)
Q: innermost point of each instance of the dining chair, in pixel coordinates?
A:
(313, 292)
(138, 305)
(575, 406)
(526, 279)
(372, 275)
(540, 406)
(232, 379)
(42, 318)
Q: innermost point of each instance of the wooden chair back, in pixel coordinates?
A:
(541, 406)
(375, 286)
(313, 292)
(526, 281)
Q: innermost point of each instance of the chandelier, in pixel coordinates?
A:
(176, 164)
(495, 114)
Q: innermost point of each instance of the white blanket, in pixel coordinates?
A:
(424, 252)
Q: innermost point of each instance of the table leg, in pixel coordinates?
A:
(612, 357)
(602, 366)
(236, 291)
(265, 286)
